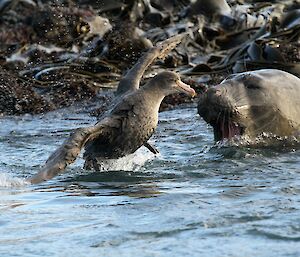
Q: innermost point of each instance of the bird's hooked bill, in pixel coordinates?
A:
(185, 88)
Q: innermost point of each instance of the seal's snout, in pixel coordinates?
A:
(216, 94)
(212, 103)
(215, 108)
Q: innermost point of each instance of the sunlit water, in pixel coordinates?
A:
(193, 199)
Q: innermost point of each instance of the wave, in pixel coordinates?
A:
(263, 140)
(132, 162)
(7, 181)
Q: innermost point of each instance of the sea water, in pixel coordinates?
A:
(195, 198)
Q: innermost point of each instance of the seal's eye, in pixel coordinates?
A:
(251, 85)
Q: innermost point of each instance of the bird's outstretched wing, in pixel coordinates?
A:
(71, 148)
(131, 80)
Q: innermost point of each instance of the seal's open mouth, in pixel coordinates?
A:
(218, 110)
(227, 129)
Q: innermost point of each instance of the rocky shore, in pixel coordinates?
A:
(57, 53)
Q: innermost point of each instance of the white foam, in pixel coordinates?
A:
(132, 162)
(6, 180)
(263, 140)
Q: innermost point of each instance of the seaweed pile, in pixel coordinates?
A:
(55, 53)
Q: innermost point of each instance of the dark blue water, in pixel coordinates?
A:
(193, 199)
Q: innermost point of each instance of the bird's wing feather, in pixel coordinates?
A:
(131, 80)
(71, 148)
(121, 113)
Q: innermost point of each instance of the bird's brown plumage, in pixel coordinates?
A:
(123, 129)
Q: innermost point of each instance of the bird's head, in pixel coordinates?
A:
(169, 83)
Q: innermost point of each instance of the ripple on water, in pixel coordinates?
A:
(195, 198)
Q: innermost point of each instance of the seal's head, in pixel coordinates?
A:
(251, 103)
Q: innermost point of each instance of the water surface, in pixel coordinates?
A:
(193, 199)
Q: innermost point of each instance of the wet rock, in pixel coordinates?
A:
(17, 97)
(209, 8)
(126, 43)
(70, 51)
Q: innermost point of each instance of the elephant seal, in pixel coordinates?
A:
(252, 103)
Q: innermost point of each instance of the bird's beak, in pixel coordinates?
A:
(185, 88)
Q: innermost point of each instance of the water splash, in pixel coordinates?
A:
(261, 141)
(7, 181)
(132, 162)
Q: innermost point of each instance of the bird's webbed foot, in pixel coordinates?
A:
(151, 148)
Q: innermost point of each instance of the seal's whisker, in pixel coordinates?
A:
(219, 114)
(229, 124)
(223, 125)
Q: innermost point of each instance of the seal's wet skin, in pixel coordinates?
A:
(252, 103)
